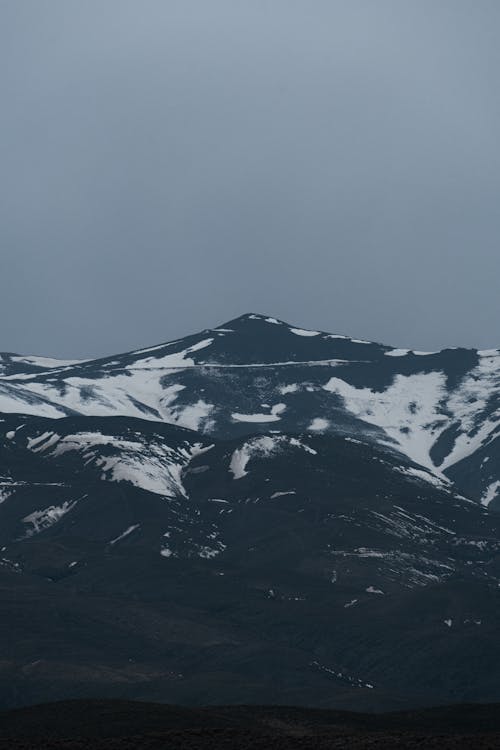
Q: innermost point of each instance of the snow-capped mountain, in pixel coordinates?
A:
(439, 409)
(255, 513)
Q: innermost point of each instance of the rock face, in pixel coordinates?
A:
(256, 513)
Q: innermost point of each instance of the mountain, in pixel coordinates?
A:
(255, 513)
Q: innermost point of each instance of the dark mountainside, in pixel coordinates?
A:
(255, 514)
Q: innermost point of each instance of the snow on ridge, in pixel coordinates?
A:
(273, 416)
(489, 352)
(47, 363)
(397, 353)
(404, 352)
(304, 332)
(174, 360)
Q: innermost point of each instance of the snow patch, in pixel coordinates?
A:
(408, 411)
(304, 332)
(43, 519)
(319, 425)
(174, 360)
(490, 493)
(292, 388)
(125, 533)
(272, 417)
(397, 353)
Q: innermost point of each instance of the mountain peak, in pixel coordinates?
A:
(252, 317)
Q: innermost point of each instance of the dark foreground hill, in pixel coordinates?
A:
(121, 725)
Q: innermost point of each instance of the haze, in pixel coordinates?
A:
(170, 164)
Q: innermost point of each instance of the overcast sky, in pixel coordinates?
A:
(167, 165)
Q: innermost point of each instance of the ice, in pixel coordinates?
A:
(273, 320)
(282, 494)
(373, 590)
(10, 435)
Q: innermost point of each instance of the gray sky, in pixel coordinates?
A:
(169, 164)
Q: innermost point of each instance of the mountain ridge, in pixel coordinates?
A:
(436, 408)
